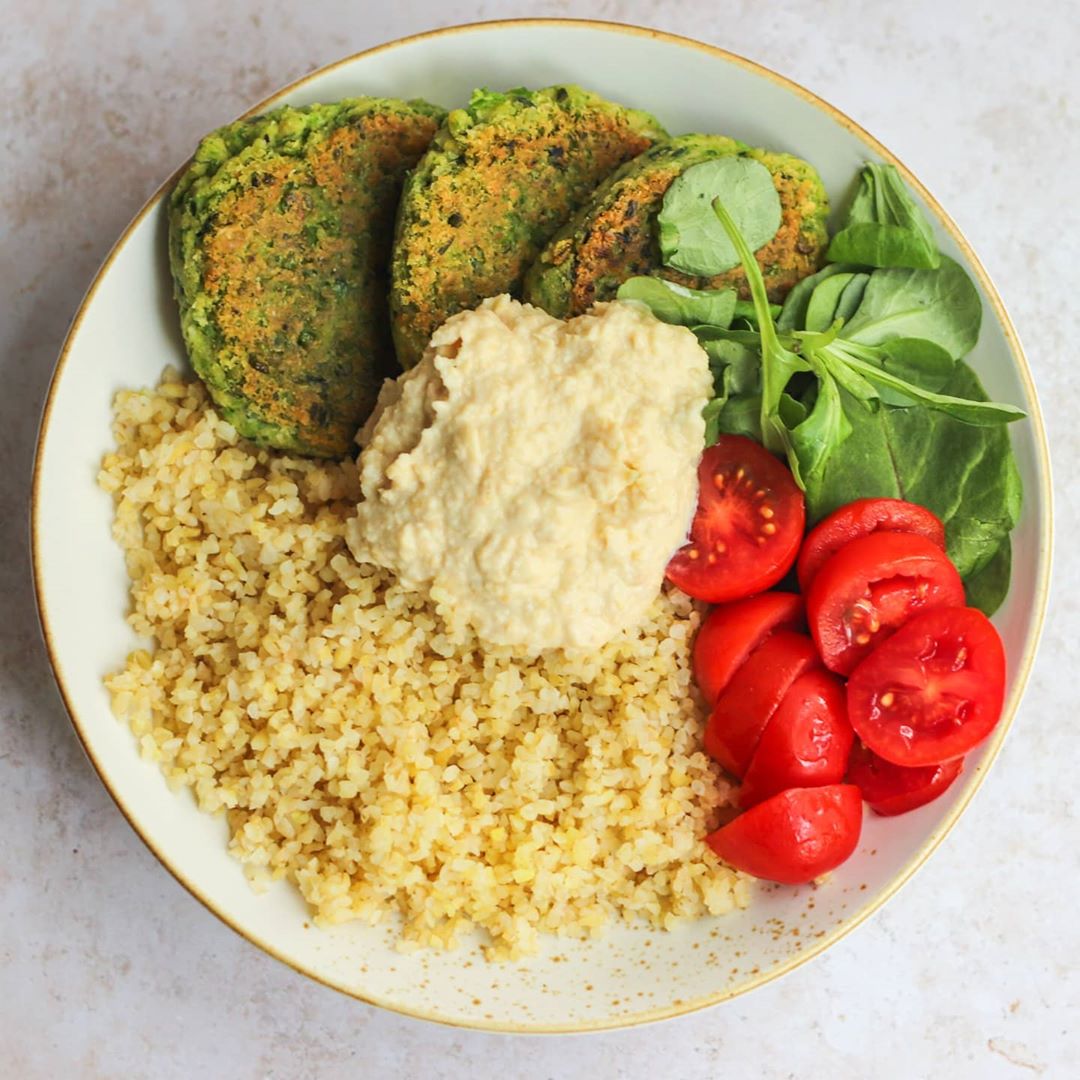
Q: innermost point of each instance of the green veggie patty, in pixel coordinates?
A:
(615, 236)
(279, 239)
(499, 179)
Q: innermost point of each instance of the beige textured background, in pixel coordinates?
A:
(109, 969)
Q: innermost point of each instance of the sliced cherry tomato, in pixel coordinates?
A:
(891, 789)
(932, 691)
(748, 526)
(795, 836)
(753, 695)
(733, 631)
(860, 518)
(871, 587)
(807, 742)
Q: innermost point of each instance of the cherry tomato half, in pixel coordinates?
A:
(753, 695)
(860, 518)
(807, 742)
(748, 526)
(932, 691)
(891, 789)
(870, 588)
(795, 836)
(733, 631)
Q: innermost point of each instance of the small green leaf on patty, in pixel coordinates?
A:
(691, 238)
(678, 305)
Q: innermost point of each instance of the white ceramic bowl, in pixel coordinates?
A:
(126, 331)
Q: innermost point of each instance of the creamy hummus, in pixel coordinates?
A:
(534, 476)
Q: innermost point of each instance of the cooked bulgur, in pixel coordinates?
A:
(359, 747)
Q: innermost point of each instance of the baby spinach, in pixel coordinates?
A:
(884, 227)
(691, 239)
(744, 309)
(939, 305)
(736, 381)
(793, 312)
(819, 431)
(863, 371)
(872, 365)
(673, 303)
(825, 299)
(778, 363)
(859, 382)
(966, 474)
(987, 588)
(851, 297)
(741, 416)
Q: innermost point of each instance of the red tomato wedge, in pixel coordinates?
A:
(807, 742)
(748, 526)
(891, 789)
(860, 518)
(795, 836)
(732, 632)
(932, 691)
(870, 588)
(752, 696)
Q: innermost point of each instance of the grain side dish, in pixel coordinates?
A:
(510, 641)
(359, 749)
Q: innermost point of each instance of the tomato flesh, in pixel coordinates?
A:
(753, 695)
(860, 518)
(892, 789)
(793, 837)
(870, 588)
(806, 743)
(933, 691)
(748, 525)
(733, 631)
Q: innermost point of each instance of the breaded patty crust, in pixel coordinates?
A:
(279, 241)
(615, 236)
(499, 179)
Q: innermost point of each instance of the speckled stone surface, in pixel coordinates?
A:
(109, 969)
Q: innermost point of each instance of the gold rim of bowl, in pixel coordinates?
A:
(1045, 532)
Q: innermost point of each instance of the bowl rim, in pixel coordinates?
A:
(992, 747)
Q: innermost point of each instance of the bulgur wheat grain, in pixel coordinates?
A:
(365, 751)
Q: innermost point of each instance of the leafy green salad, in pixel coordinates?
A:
(859, 378)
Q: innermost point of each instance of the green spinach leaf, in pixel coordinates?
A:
(736, 371)
(821, 310)
(941, 306)
(744, 309)
(851, 297)
(967, 475)
(741, 416)
(793, 311)
(913, 359)
(884, 226)
(778, 363)
(987, 588)
(818, 435)
(676, 304)
(691, 239)
(711, 415)
(869, 364)
(738, 364)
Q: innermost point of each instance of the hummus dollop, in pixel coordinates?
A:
(534, 476)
